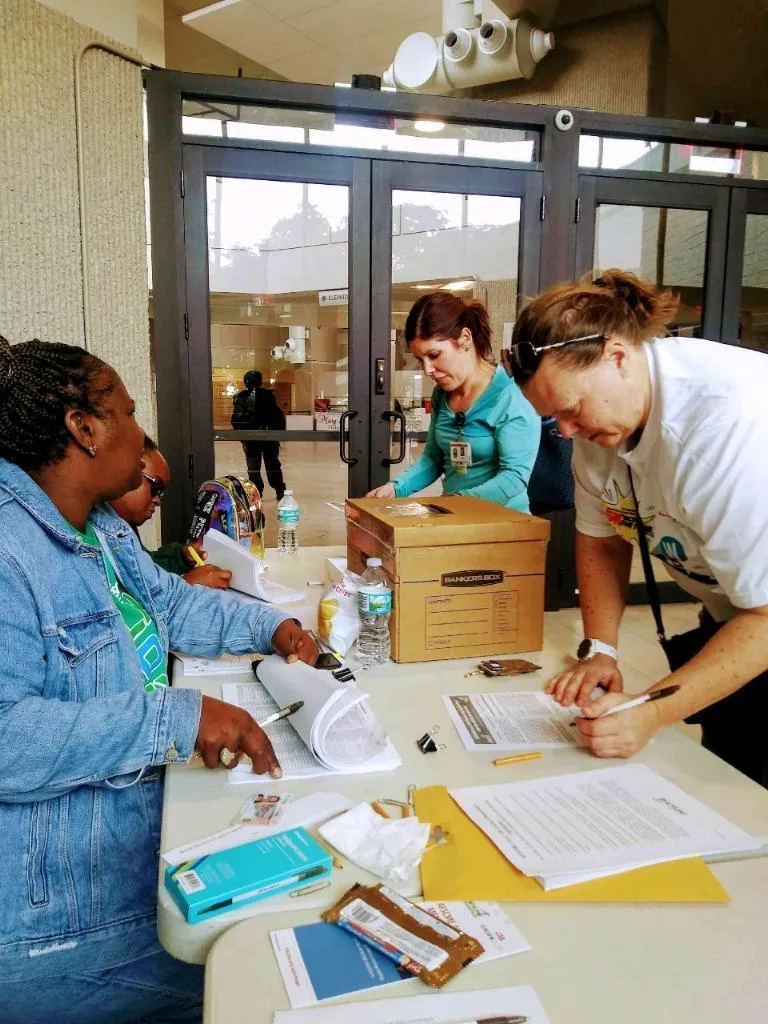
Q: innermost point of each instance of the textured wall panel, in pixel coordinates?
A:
(41, 291)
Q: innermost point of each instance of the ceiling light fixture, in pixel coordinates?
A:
(429, 127)
(456, 286)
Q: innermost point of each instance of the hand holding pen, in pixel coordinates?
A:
(608, 732)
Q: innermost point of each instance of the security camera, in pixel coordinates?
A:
(492, 36)
(457, 45)
(564, 120)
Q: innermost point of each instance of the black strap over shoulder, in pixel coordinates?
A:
(650, 580)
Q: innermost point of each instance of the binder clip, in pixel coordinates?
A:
(426, 743)
(343, 674)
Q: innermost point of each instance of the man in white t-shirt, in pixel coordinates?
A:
(680, 425)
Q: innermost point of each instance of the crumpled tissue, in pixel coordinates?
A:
(388, 847)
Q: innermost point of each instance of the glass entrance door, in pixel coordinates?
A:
(745, 311)
(473, 232)
(671, 234)
(272, 309)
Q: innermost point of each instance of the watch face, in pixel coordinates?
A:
(584, 649)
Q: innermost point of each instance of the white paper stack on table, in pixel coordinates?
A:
(495, 722)
(336, 732)
(574, 828)
(440, 1008)
(247, 570)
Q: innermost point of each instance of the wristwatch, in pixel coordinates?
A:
(589, 647)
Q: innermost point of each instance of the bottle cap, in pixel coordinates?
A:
(374, 563)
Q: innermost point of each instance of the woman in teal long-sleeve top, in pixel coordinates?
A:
(484, 434)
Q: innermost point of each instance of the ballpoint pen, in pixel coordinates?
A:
(514, 758)
(665, 691)
(516, 1019)
(291, 709)
(194, 555)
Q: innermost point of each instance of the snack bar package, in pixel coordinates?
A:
(416, 940)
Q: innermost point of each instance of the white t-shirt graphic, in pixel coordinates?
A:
(700, 472)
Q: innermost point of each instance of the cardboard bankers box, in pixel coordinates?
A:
(467, 575)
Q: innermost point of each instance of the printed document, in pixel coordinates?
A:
(572, 828)
(493, 722)
(336, 732)
(321, 961)
(247, 570)
(440, 1008)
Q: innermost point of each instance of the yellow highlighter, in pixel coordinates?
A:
(518, 757)
(194, 555)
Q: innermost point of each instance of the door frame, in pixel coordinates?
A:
(744, 201)
(595, 190)
(420, 177)
(202, 162)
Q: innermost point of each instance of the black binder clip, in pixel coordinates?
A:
(343, 674)
(426, 743)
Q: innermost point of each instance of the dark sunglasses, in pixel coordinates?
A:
(521, 361)
(156, 485)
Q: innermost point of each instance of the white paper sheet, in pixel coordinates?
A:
(485, 921)
(247, 570)
(495, 722)
(440, 1008)
(308, 811)
(335, 732)
(225, 664)
(572, 827)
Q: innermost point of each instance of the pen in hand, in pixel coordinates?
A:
(291, 709)
(664, 691)
(194, 555)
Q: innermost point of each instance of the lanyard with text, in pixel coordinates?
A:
(461, 450)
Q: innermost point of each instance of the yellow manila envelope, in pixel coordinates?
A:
(469, 867)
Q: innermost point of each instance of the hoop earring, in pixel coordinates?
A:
(92, 449)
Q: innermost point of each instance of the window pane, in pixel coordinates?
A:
(376, 132)
(666, 246)
(753, 317)
(599, 151)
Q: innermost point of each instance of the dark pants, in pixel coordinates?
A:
(733, 728)
(270, 451)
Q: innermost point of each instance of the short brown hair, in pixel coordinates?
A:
(616, 302)
(441, 314)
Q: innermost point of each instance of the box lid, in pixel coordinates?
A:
(448, 519)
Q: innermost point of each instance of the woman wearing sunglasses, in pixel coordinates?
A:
(670, 441)
(87, 720)
(139, 505)
(483, 436)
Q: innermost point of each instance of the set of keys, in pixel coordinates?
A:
(503, 667)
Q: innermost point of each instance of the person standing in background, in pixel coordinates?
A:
(484, 434)
(256, 408)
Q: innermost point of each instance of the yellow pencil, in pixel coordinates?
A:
(194, 555)
(518, 757)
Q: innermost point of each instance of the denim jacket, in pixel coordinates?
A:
(81, 742)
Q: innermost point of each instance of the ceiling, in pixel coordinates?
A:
(717, 53)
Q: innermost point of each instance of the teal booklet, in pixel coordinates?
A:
(230, 879)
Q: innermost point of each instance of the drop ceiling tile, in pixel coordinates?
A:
(228, 17)
(276, 42)
(286, 10)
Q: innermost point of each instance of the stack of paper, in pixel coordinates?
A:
(321, 961)
(247, 570)
(336, 732)
(494, 722)
(574, 828)
(440, 1008)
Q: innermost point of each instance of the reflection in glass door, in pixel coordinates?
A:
(753, 307)
(278, 292)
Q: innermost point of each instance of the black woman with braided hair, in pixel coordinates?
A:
(87, 720)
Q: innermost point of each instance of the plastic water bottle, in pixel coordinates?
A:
(288, 524)
(374, 602)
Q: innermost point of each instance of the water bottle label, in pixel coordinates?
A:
(377, 603)
(288, 516)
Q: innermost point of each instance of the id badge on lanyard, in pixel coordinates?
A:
(460, 450)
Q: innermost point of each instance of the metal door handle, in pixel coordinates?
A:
(391, 414)
(343, 427)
